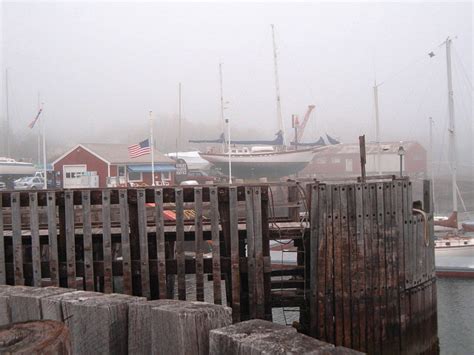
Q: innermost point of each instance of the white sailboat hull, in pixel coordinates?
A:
(256, 165)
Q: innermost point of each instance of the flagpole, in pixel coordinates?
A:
(45, 177)
(152, 146)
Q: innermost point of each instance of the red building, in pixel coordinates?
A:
(102, 165)
(344, 160)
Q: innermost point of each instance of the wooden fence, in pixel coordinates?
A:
(364, 277)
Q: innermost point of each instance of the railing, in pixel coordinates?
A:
(364, 276)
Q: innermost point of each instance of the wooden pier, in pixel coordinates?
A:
(364, 276)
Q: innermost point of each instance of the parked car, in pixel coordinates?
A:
(201, 177)
(3, 186)
(29, 183)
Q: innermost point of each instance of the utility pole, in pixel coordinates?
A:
(432, 160)
(377, 127)
(451, 130)
(178, 140)
(277, 88)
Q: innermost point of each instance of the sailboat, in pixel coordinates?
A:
(252, 159)
(448, 236)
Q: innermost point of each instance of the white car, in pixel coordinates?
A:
(3, 186)
(29, 183)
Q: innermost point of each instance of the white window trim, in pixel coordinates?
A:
(140, 180)
(167, 178)
(124, 170)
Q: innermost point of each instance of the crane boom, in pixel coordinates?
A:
(305, 121)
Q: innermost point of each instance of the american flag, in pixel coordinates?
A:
(137, 150)
(32, 123)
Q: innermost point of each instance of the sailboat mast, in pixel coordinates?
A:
(277, 87)
(377, 127)
(221, 84)
(178, 139)
(452, 136)
(7, 118)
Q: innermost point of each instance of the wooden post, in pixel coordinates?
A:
(175, 330)
(363, 157)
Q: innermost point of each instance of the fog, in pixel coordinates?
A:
(101, 66)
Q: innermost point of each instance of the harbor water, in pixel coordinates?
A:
(456, 315)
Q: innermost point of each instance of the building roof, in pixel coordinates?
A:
(118, 154)
(370, 148)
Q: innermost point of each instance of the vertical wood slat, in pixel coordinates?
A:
(406, 237)
(369, 306)
(360, 260)
(411, 234)
(234, 253)
(314, 258)
(346, 265)
(251, 261)
(259, 287)
(198, 244)
(337, 262)
(216, 248)
(3, 275)
(400, 235)
(143, 239)
(180, 243)
(375, 268)
(322, 326)
(35, 239)
(393, 295)
(87, 241)
(70, 239)
(17, 239)
(354, 273)
(267, 279)
(53, 239)
(125, 241)
(107, 242)
(329, 301)
(385, 238)
(160, 243)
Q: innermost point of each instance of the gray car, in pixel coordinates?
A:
(29, 183)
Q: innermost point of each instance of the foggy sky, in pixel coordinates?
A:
(101, 66)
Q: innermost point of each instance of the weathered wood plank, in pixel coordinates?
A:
(314, 259)
(143, 238)
(251, 251)
(360, 285)
(259, 267)
(346, 265)
(3, 274)
(87, 241)
(393, 290)
(70, 239)
(35, 240)
(337, 262)
(17, 240)
(329, 304)
(180, 243)
(375, 270)
(53, 239)
(216, 252)
(267, 280)
(160, 243)
(234, 253)
(107, 242)
(353, 272)
(368, 237)
(384, 257)
(125, 242)
(322, 278)
(198, 244)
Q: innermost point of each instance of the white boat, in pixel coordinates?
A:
(12, 167)
(448, 235)
(257, 162)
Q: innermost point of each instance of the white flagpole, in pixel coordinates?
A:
(43, 124)
(152, 146)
